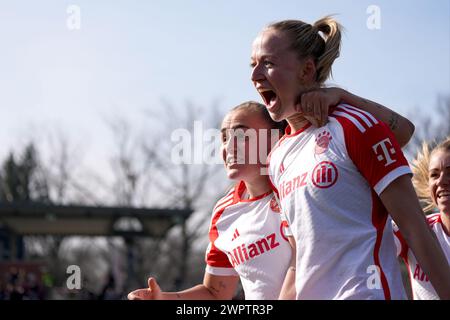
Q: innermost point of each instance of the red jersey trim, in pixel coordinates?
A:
(288, 134)
(363, 117)
(214, 234)
(240, 189)
(384, 182)
(405, 259)
(362, 121)
(434, 218)
(379, 218)
(225, 199)
(404, 255)
(221, 271)
(221, 203)
(274, 189)
(269, 156)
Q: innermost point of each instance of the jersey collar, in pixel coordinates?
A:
(239, 191)
(288, 131)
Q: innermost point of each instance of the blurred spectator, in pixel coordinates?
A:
(21, 282)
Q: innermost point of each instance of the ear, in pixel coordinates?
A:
(307, 72)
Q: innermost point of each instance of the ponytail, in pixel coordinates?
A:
(331, 31)
(321, 41)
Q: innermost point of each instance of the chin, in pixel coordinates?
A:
(444, 208)
(277, 117)
(233, 174)
(282, 113)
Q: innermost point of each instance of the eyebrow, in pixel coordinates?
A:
(265, 57)
(438, 169)
(240, 126)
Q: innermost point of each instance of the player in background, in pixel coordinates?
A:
(337, 183)
(249, 215)
(247, 240)
(432, 183)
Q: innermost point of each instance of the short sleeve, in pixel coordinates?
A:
(285, 227)
(372, 147)
(217, 261)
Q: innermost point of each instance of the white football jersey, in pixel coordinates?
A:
(328, 180)
(248, 239)
(420, 284)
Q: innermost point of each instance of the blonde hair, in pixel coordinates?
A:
(420, 168)
(321, 41)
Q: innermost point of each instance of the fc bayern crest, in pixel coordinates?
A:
(274, 205)
(322, 142)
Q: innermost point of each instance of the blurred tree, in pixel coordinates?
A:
(191, 184)
(23, 180)
(131, 167)
(28, 178)
(432, 124)
(145, 174)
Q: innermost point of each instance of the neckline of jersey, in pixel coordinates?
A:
(240, 188)
(288, 134)
(439, 221)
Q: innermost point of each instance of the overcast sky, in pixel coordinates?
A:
(129, 55)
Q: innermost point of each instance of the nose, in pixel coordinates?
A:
(257, 74)
(232, 146)
(224, 153)
(228, 147)
(443, 180)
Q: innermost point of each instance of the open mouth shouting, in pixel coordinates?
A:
(270, 98)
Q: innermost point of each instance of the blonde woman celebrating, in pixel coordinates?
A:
(338, 183)
(432, 183)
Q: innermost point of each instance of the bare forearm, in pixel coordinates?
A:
(288, 289)
(214, 287)
(402, 128)
(199, 292)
